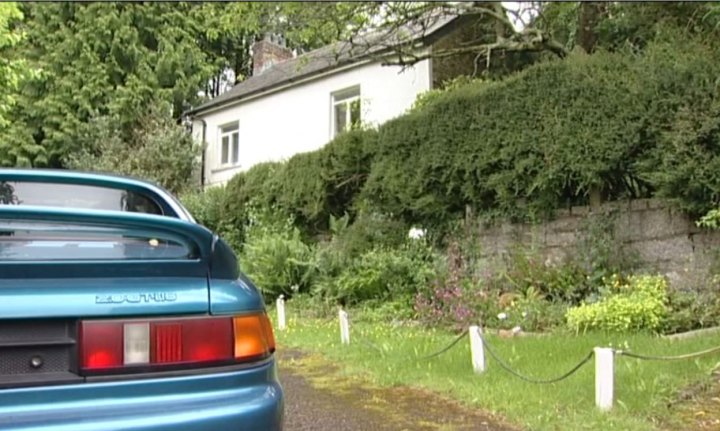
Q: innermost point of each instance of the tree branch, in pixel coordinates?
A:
(535, 44)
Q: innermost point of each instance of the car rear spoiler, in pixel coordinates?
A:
(212, 251)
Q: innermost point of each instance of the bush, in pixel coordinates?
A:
(472, 146)
(603, 123)
(210, 209)
(693, 310)
(274, 255)
(599, 254)
(600, 124)
(638, 303)
(684, 165)
(159, 150)
(526, 269)
(381, 274)
(325, 182)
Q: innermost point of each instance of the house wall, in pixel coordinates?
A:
(298, 119)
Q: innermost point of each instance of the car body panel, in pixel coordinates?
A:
(249, 400)
(103, 297)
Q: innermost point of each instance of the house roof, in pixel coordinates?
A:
(326, 59)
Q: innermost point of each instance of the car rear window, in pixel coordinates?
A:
(75, 196)
(31, 241)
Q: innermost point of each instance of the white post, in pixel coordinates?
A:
(477, 349)
(604, 377)
(344, 327)
(281, 312)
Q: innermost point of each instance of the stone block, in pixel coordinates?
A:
(656, 224)
(566, 224)
(561, 239)
(656, 204)
(639, 204)
(582, 211)
(673, 249)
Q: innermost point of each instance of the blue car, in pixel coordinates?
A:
(119, 312)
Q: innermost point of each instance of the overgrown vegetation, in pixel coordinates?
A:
(157, 150)
(509, 150)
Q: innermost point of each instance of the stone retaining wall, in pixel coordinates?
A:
(663, 239)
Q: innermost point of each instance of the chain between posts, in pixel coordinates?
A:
(507, 367)
(452, 344)
(667, 358)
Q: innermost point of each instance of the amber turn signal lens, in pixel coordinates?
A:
(251, 336)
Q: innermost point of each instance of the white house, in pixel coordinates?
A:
(297, 104)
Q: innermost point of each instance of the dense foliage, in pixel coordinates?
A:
(68, 70)
(627, 124)
(157, 149)
(638, 303)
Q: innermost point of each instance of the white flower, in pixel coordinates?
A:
(524, 314)
(416, 233)
(502, 316)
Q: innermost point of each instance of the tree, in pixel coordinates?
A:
(11, 69)
(158, 149)
(116, 60)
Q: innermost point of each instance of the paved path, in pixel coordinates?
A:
(318, 398)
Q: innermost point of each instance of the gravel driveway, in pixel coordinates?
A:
(318, 398)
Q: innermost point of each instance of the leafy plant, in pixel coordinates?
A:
(158, 150)
(381, 274)
(635, 303)
(274, 254)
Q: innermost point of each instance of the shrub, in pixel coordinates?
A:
(210, 209)
(693, 310)
(472, 146)
(274, 255)
(638, 303)
(684, 165)
(381, 274)
(159, 150)
(599, 125)
(504, 299)
(599, 254)
(527, 269)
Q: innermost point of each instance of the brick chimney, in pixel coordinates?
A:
(269, 51)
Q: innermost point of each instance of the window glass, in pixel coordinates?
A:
(66, 241)
(346, 110)
(229, 145)
(340, 117)
(75, 196)
(225, 149)
(235, 147)
(355, 113)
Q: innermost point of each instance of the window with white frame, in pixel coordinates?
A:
(229, 145)
(345, 110)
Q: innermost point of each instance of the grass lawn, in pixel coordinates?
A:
(386, 355)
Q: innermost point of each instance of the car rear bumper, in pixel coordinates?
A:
(250, 400)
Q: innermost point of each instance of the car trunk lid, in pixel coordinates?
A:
(57, 262)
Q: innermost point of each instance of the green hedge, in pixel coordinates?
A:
(545, 137)
(625, 124)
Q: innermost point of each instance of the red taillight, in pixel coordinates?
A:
(156, 343)
(102, 345)
(167, 338)
(206, 340)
